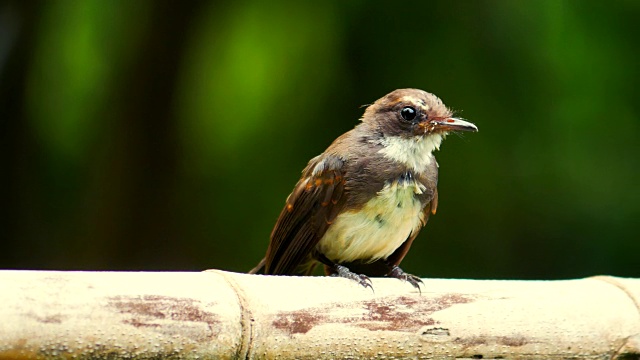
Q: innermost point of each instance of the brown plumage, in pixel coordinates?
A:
(361, 203)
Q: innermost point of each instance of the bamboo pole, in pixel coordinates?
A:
(223, 315)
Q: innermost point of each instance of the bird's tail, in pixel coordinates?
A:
(258, 267)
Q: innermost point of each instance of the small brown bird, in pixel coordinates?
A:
(359, 205)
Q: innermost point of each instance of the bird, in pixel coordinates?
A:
(359, 205)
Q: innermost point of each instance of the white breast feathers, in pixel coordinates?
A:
(415, 153)
(376, 230)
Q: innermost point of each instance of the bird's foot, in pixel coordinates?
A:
(398, 273)
(343, 271)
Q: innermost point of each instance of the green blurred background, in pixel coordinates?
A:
(166, 135)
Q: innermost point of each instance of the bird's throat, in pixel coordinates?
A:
(415, 152)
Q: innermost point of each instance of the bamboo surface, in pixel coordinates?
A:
(222, 315)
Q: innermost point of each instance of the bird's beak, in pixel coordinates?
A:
(453, 124)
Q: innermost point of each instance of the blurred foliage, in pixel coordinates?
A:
(166, 135)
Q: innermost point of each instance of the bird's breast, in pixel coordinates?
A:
(378, 228)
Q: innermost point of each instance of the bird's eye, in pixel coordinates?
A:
(408, 113)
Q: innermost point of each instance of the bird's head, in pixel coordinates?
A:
(409, 113)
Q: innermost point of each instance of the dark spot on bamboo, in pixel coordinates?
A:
(153, 310)
(404, 313)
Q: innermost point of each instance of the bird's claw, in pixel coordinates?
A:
(398, 273)
(363, 280)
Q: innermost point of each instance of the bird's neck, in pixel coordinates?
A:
(415, 152)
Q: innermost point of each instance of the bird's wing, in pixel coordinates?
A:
(314, 203)
(429, 209)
